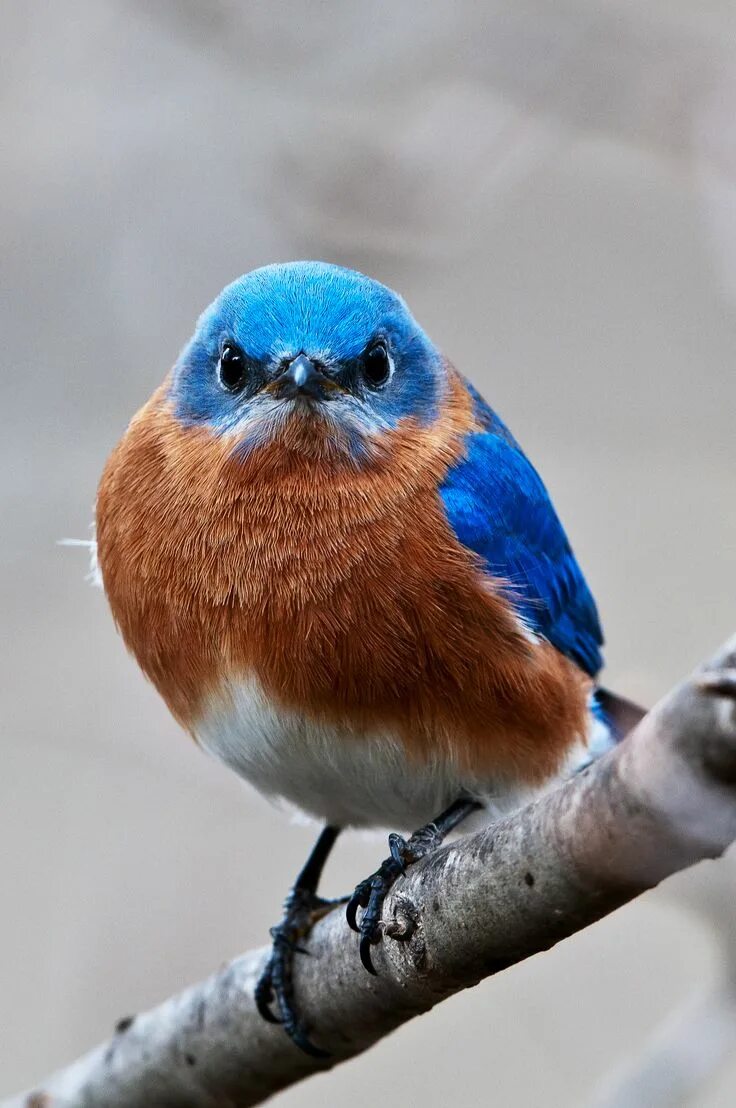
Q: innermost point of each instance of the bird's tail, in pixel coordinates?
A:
(612, 718)
(620, 714)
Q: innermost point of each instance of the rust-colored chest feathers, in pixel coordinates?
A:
(341, 588)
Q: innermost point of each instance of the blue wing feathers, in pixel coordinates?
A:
(498, 507)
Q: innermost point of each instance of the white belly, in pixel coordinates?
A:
(343, 778)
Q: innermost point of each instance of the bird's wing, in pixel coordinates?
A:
(498, 507)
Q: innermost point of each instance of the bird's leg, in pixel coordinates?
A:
(302, 909)
(371, 893)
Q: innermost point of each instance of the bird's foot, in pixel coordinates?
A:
(371, 893)
(301, 911)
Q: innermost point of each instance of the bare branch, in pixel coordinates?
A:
(666, 798)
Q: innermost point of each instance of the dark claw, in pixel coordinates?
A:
(263, 995)
(366, 943)
(275, 984)
(351, 913)
(299, 1039)
(359, 899)
(371, 893)
(266, 1013)
(302, 909)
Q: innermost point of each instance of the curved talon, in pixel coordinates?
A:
(302, 908)
(369, 896)
(366, 943)
(359, 899)
(274, 987)
(300, 1039)
(274, 984)
(263, 995)
(371, 893)
(265, 1012)
(351, 913)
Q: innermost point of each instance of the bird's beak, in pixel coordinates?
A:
(301, 378)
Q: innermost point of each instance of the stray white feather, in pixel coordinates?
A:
(94, 575)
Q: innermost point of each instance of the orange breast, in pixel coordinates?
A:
(343, 589)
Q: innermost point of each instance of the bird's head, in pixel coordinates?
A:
(309, 352)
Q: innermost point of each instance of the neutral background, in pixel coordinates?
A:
(551, 186)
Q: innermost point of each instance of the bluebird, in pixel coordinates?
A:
(347, 581)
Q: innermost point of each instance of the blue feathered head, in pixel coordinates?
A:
(312, 341)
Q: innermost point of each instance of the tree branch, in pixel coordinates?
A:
(664, 799)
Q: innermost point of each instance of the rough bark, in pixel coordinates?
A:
(663, 800)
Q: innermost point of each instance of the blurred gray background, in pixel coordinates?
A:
(552, 188)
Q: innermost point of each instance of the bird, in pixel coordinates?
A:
(349, 584)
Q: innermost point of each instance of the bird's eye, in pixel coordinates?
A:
(377, 365)
(231, 368)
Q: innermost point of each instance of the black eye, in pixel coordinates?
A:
(377, 365)
(231, 368)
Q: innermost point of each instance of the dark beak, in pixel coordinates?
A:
(301, 378)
